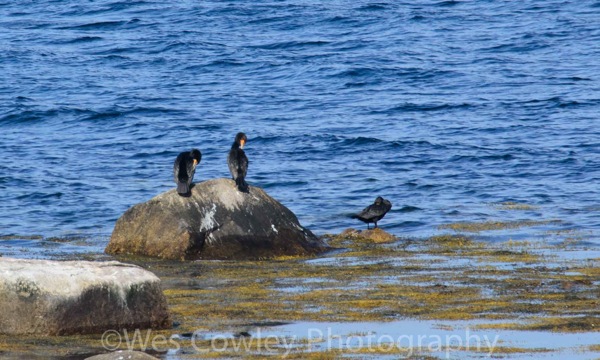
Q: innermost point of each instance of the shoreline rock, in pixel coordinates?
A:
(215, 222)
(123, 355)
(78, 297)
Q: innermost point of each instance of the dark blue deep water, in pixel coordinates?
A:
(447, 108)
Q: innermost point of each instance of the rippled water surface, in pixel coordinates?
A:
(445, 108)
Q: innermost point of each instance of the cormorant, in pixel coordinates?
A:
(374, 212)
(238, 162)
(184, 169)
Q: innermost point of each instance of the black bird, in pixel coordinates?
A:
(238, 162)
(184, 169)
(374, 212)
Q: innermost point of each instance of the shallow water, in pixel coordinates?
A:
(442, 107)
(402, 339)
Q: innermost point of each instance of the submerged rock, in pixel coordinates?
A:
(215, 222)
(78, 297)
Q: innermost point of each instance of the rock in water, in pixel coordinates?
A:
(78, 297)
(376, 235)
(123, 355)
(215, 222)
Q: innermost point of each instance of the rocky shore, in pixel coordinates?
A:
(223, 309)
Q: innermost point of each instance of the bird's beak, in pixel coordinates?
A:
(242, 143)
(195, 162)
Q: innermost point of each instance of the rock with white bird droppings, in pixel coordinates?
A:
(78, 297)
(216, 222)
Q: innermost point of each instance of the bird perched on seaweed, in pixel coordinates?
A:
(238, 162)
(184, 169)
(374, 212)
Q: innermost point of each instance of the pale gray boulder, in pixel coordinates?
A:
(215, 222)
(123, 355)
(77, 297)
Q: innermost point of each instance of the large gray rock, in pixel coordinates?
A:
(216, 222)
(77, 297)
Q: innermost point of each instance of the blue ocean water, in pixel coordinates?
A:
(446, 108)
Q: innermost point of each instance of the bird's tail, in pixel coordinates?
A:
(183, 188)
(241, 184)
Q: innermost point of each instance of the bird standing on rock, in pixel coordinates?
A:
(184, 169)
(374, 212)
(238, 162)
